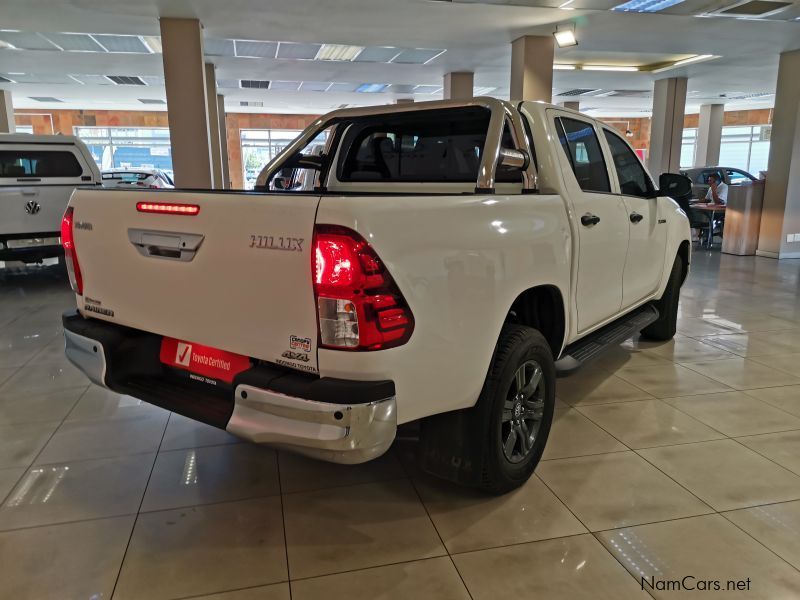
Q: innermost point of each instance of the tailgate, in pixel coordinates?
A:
(235, 277)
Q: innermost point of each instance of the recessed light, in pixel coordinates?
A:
(563, 67)
(565, 38)
(621, 68)
(338, 52)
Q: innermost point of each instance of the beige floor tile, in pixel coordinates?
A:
(686, 349)
(48, 377)
(736, 413)
(783, 448)
(649, 423)
(572, 434)
(574, 568)
(37, 408)
(183, 432)
(19, 444)
(204, 550)
(79, 440)
(595, 386)
(788, 341)
(12, 358)
(346, 528)
(100, 403)
(725, 474)
(211, 474)
(786, 398)
(706, 548)
(777, 526)
(702, 326)
(788, 363)
(627, 356)
(742, 373)
(8, 479)
(89, 489)
(435, 578)
(302, 474)
(76, 560)
(276, 591)
(746, 345)
(469, 520)
(6, 373)
(671, 380)
(615, 490)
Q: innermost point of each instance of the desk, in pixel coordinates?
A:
(713, 209)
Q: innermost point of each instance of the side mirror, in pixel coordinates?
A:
(674, 185)
(304, 161)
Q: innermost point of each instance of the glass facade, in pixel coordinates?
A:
(688, 147)
(128, 147)
(745, 147)
(23, 129)
(259, 146)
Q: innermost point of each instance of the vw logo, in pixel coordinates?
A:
(32, 207)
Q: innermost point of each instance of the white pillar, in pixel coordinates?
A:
(666, 127)
(213, 127)
(184, 76)
(7, 124)
(709, 135)
(780, 217)
(223, 142)
(532, 68)
(573, 105)
(458, 85)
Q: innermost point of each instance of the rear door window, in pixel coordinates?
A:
(582, 147)
(39, 163)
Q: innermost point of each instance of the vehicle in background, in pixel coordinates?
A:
(728, 175)
(38, 173)
(147, 178)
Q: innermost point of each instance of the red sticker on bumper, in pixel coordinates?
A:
(203, 360)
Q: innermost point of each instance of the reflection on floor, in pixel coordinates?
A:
(665, 460)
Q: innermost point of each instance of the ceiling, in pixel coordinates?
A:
(408, 46)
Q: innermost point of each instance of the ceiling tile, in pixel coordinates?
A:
(74, 42)
(122, 43)
(298, 51)
(377, 54)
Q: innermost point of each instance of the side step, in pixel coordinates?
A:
(593, 345)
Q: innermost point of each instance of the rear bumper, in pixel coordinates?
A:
(30, 247)
(336, 420)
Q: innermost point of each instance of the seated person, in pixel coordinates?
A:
(717, 190)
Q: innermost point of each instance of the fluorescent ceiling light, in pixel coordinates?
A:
(566, 6)
(692, 59)
(565, 38)
(338, 52)
(370, 88)
(563, 67)
(153, 42)
(608, 68)
(648, 6)
(482, 91)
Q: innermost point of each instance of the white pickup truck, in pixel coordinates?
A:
(439, 262)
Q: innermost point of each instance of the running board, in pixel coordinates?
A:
(593, 345)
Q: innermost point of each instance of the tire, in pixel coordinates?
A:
(663, 328)
(519, 350)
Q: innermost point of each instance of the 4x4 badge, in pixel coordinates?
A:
(32, 207)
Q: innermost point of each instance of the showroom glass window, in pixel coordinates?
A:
(580, 143)
(745, 147)
(259, 146)
(128, 147)
(633, 179)
(688, 147)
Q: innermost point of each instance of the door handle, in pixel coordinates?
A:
(165, 244)
(636, 217)
(589, 220)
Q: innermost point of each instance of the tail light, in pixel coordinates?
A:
(168, 208)
(359, 306)
(70, 256)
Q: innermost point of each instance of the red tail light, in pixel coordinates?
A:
(70, 256)
(168, 208)
(359, 306)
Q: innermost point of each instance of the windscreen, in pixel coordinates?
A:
(443, 145)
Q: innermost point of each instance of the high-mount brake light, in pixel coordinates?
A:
(168, 208)
(70, 255)
(359, 306)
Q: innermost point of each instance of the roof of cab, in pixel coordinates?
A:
(27, 138)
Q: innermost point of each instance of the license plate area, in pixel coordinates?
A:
(203, 363)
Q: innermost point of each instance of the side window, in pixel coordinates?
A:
(39, 163)
(579, 141)
(633, 179)
(738, 177)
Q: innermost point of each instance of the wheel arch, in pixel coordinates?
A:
(541, 307)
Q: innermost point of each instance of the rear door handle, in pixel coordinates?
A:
(636, 217)
(589, 220)
(165, 244)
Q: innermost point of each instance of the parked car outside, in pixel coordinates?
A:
(148, 178)
(728, 175)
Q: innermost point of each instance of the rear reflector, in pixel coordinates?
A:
(167, 208)
(70, 257)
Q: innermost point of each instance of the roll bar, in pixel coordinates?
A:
(493, 155)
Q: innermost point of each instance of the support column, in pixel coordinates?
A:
(532, 68)
(574, 105)
(214, 134)
(458, 86)
(7, 124)
(223, 142)
(184, 75)
(780, 218)
(666, 128)
(709, 135)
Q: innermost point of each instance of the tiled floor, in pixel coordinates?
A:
(665, 460)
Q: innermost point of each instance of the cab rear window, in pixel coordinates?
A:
(39, 163)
